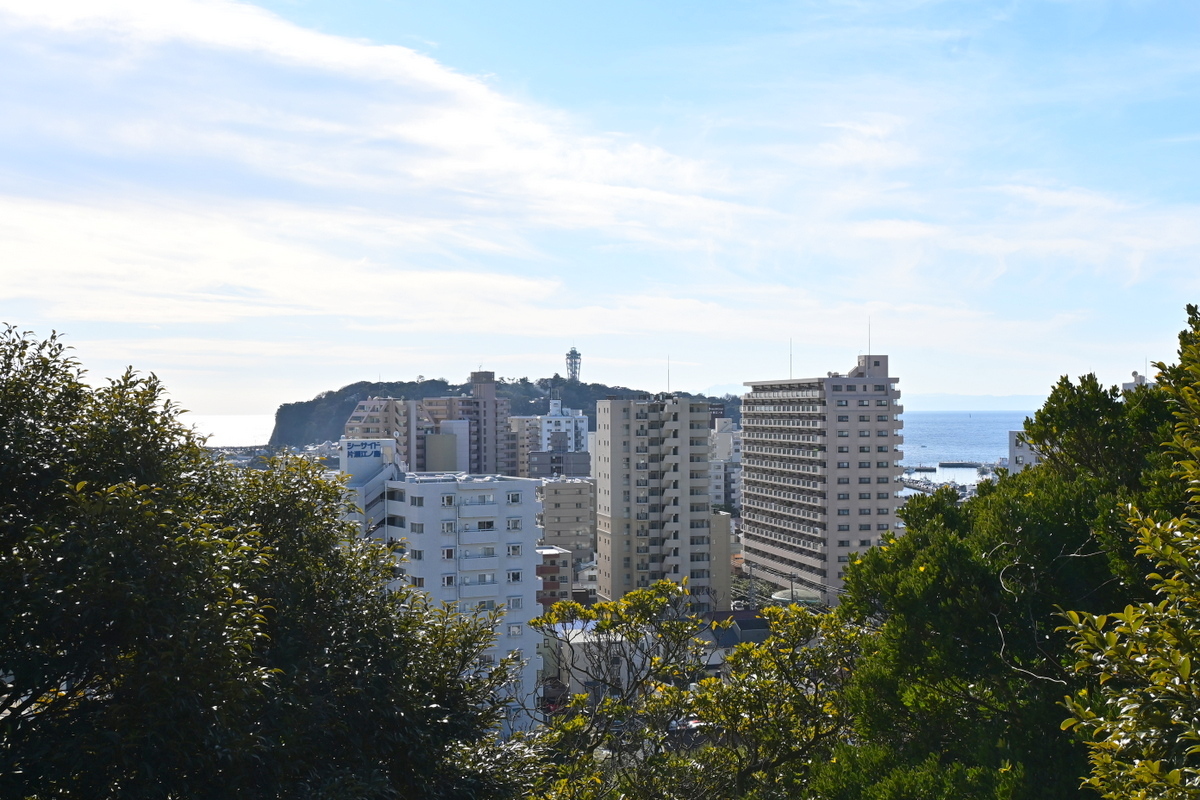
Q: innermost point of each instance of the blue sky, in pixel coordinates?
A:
(259, 202)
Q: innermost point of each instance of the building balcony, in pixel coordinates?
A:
(476, 589)
(479, 563)
(466, 537)
(476, 509)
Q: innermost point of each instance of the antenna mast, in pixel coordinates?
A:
(574, 358)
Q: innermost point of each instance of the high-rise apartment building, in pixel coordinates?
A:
(470, 540)
(553, 444)
(468, 433)
(568, 517)
(653, 517)
(821, 471)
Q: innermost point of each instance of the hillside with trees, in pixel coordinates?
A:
(324, 417)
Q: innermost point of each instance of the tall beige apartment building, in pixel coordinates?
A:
(568, 516)
(821, 473)
(653, 517)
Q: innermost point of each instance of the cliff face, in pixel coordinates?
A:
(324, 417)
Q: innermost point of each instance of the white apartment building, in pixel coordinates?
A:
(470, 540)
(545, 443)
(821, 472)
(1020, 454)
(725, 465)
(653, 517)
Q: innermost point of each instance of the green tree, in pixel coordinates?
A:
(172, 627)
(960, 697)
(1141, 718)
(658, 723)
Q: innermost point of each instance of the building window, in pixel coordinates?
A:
(864, 402)
(864, 512)
(843, 527)
(418, 583)
(486, 525)
(882, 448)
(514, 630)
(447, 580)
(843, 465)
(843, 496)
(864, 542)
(843, 448)
(864, 495)
(882, 526)
(843, 418)
(844, 480)
(864, 417)
(865, 526)
(514, 498)
(416, 555)
(843, 512)
(837, 387)
(881, 418)
(863, 434)
(513, 576)
(864, 480)
(843, 543)
(417, 527)
(882, 495)
(843, 402)
(515, 603)
(448, 553)
(881, 479)
(864, 448)
(881, 402)
(851, 387)
(881, 464)
(879, 387)
(864, 465)
(514, 524)
(448, 526)
(416, 501)
(883, 511)
(514, 549)
(843, 559)
(843, 434)
(447, 500)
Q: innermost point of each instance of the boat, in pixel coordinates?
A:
(924, 469)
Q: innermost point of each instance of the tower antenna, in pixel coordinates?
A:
(574, 359)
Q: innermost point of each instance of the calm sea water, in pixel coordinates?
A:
(934, 436)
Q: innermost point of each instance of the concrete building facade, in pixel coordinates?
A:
(553, 444)
(468, 433)
(568, 517)
(470, 540)
(654, 520)
(821, 473)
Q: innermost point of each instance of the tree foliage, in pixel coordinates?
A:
(666, 719)
(960, 697)
(172, 627)
(1142, 718)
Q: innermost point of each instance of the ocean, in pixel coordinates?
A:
(931, 437)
